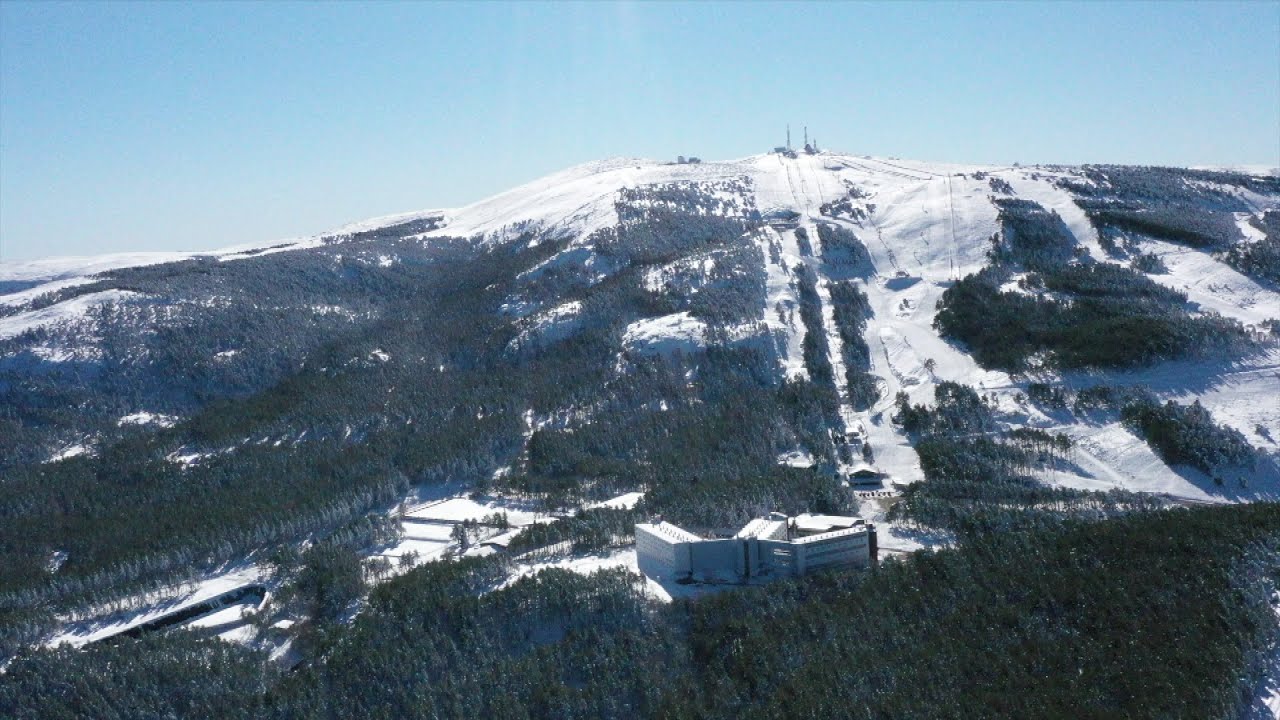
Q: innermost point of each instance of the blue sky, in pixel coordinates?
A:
(167, 126)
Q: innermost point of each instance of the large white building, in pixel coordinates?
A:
(775, 546)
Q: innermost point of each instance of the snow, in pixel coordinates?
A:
(22, 297)
(423, 550)
(666, 334)
(892, 538)
(623, 558)
(1054, 198)
(1213, 285)
(551, 325)
(146, 418)
(428, 533)
(48, 274)
(1237, 395)
(1255, 169)
(78, 632)
(72, 270)
(457, 509)
(575, 202)
(929, 223)
(796, 458)
(573, 258)
(782, 305)
(229, 624)
(902, 359)
(583, 564)
(1111, 456)
(625, 501)
(71, 310)
(70, 451)
(697, 267)
(1248, 230)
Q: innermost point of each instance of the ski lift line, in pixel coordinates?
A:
(849, 164)
(882, 171)
(951, 205)
(893, 259)
(899, 171)
(907, 169)
(804, 189)
(791, 185)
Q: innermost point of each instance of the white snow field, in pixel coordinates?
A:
(78, 632)
(667, 334)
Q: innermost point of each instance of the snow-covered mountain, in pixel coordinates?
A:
(923, 225)
(949, 350)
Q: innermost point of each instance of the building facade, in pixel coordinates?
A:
(775, 546)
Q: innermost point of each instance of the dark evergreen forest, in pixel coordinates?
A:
(1153, 615)
(410, 376)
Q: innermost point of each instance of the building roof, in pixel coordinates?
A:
(668, 531)
(825, 523)
(863, 469)
(763, 528)
(501, 540)
(829, 535)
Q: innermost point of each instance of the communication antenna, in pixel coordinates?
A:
(806, 135)
(788, 136)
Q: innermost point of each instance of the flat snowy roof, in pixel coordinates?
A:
(763, 528)
(829, 535)
(825, 523)
(669, 531)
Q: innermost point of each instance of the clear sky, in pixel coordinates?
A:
(168, 126)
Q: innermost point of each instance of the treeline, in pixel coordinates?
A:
(1068, 305)
(586, 531)
(843, 254)
(851, 310)
(1010, 625)
(1190, 207)
(1179, 434)
(816, 348)
(980, 479)
(1259, 258)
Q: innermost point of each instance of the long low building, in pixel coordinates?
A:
(766, 547)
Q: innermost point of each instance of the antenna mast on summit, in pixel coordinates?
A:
(788, 136)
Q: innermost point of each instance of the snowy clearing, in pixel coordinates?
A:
(667, 334)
